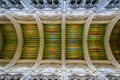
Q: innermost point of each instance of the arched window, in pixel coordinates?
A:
(113, 4)
(37, 77)
(75, 77)
(2, 76)
(17, 76)
(75, 3)
(91, 3)
(3, 4)
(38, 3)
(8, 77)
(90, 77)
(112, 77)
(53, 77)
(53, 4)
(15, 4)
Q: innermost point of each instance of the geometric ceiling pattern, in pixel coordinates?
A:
(59, 40)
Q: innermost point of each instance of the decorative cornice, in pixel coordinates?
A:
(57, 4)
(49, 14)
(77, 14)
(106, 15)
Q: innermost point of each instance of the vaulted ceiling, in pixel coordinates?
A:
(59, 39)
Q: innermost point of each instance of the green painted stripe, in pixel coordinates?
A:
(52, 39)
(31, 41)
(10, 41)
(96, 42)
(74, 35)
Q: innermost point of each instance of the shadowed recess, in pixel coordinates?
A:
(52, 41)
(74, 48)
(31, 41)
(115, 41)
(10, 41)
(96, 42)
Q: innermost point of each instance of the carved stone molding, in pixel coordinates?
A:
(21, 15)
(78, 69)
(106, 15)
(20, 68)
(77, 14)
(49, 68)
(50, 15)
(106, 68)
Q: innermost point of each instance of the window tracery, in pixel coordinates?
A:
(53, 4)
(90, 77)
(38, 3)
(75, 77)
(53, 77)
(37, 77)
(112, 77)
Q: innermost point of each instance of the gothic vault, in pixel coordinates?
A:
(59, 39)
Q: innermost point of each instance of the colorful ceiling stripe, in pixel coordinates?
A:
(52, 41)
(74, 48)
(115, 41)
(31, 41)
(96, 41)
(10, 41)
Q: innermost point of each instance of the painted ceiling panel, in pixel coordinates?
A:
(96, 42)
(43, 23)
(74, 48)
(10, 41)
(115, 41)
(31, 41)
(52, 41)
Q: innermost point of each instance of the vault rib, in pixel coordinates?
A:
(41, 44)
(85, 44)
(85, 47)
(107, 43)
(63, 47)
(20, 40)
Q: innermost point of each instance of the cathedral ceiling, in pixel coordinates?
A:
(59, 39)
